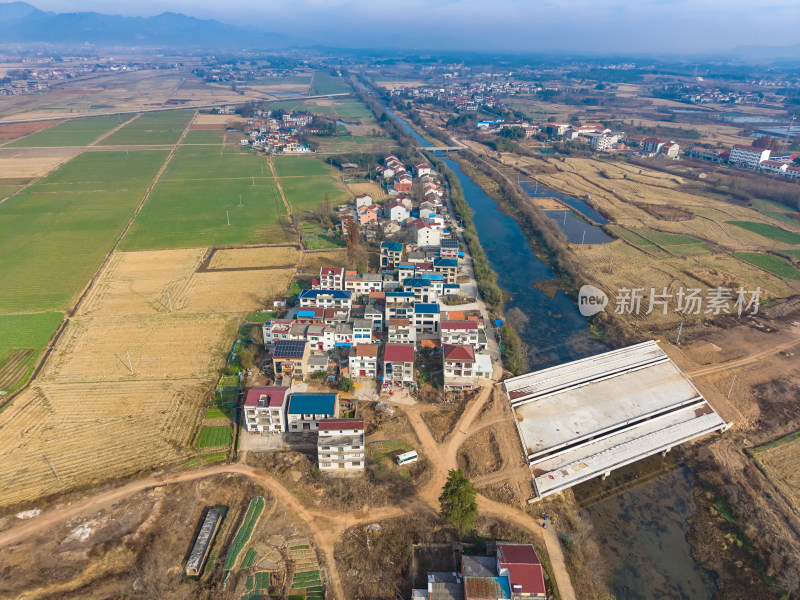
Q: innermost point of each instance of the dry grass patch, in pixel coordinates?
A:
(373, 189)
(243, 258)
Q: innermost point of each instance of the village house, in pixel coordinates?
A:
(711, 155)
(276, 329)
(773, 166)
(290, 358)
(320, 337)
(748, 157)
(391, 254)
(421, 169)
(362, 331)
(265, 409)
(364, 361)
(342, 334)
(361, 284)
(395, 211)
(447, 267)
(326, 298)
(425, 234)
(448, 248)
(670, 150)
(519, 563)
(400, 332)
(363, 201)
(652, 145)
(425, 319)
(375, 314)
(398, 365)
(340, 444)
(459, 362)
(331, 278)
(459, 332)
(422, 289)
(306, 410)
(367, 215)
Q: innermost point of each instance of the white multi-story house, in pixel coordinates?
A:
(340, 445)
(459, 366)
(362, 284)
(426, 235)
(363, 201)
(326, 298)
(363, 361)
(306, 410)
(264, 409)
(400, 332)
(748, 157)
(320, 337)
(276, 329)
(425, 319)
(374, 314)
(773, 166)
(459, 332)
(398, 365)
(423, 289)
(362, 331)
(343, 334)
(331, 278)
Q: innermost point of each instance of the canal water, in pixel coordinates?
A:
(643, 530)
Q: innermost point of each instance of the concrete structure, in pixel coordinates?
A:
(364, 361)
(747, 157)
(398, 365)
(202, 543)
(306, 410)
(340, 445)
(265, 409)
(586, 418)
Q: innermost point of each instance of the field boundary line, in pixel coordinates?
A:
(71, 311)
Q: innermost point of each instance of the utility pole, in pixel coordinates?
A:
(227, 216)
(680, 329)
(583, 239)
(732, 382)
(130, 365)
(169, 300)
(240, 200)
(611, 265)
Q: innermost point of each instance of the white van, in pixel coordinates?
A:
(407, 457)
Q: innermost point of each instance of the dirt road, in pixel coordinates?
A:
(747, 360)
(328, 526)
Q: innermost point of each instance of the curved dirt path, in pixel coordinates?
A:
(741, 362)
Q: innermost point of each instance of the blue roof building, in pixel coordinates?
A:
(302, 403)
(425, 308)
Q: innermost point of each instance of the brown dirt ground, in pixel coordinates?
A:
(275, 256)
(480, 454)
(12, 131)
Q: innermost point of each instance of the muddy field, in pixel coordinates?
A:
(125, 385)
(12, 131)
(138, 546)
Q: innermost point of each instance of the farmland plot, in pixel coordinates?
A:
(73, 132)
(151, 129)
(783, 465)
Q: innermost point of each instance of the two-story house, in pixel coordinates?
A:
(425, 319)
(447, 267)
(362, 331)
(459, 332)
(331, 278)
(306, 410)
(459, 363)
(422, 289)
(400, 332)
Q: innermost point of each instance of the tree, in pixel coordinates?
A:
(457, 503)
(351, 237)
(346, 385)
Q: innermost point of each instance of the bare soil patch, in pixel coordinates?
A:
(12, 131)
(480, 454)
(243, 258)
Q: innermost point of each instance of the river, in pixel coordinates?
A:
(643, 530)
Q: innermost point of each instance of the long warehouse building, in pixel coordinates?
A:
(585, 418)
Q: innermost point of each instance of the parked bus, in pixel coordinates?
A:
(407, 457)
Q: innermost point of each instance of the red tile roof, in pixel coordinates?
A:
(336, 424)
(399, 353)
(367, 350)
(273, 396)
(430, 343)
(331, 271)
(750, 148)
(461, 353)
(524, 568)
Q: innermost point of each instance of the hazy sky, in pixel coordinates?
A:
(660, 26)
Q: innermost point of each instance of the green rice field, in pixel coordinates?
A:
(769, 231)
(151, 129)
(204, 136)
(679, 245)
(307, 193)
(22, 339)
(72, 132)
(55, 234)
(297, 166)
(772, 264)
(325, 83)
(200, 193)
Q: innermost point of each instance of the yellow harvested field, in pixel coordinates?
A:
(204, 119)
(33, 162)
(373, 189)
(783, 464)
(334, 257)
(92, 417)
(236, 291)
(243, 258)
(93, 432)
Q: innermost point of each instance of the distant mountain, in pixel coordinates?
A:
(22, 23)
